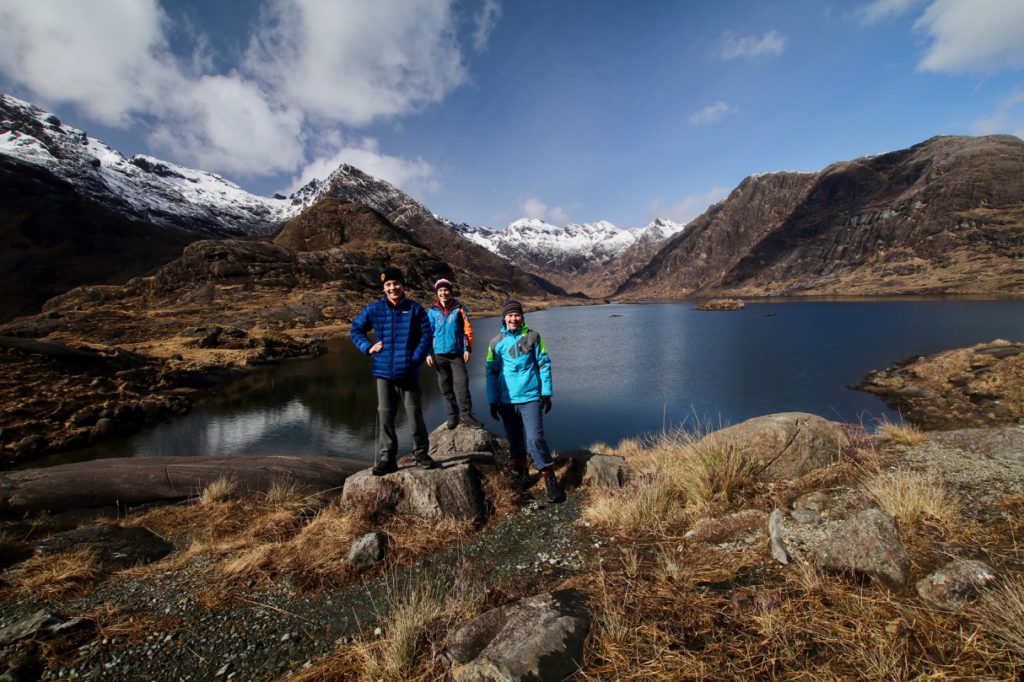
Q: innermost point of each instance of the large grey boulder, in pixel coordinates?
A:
(956, 584)
(115, 546)
(867, 544)
(605, 471)
(539, 638)
(785, 445)
(452, 490)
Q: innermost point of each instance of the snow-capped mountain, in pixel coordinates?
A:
(141, 186)
(535, 242)
(578, 257)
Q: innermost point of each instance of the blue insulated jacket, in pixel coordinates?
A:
(405, 331)
(518, 367)
(452, 331)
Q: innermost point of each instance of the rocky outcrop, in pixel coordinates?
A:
(978, 386)
(452, 490)
(136, 480)
(786, 445)
(946, 215)
(867, 545)
(538, 639)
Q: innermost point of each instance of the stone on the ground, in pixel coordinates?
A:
(605, 471)
(740, 528)
(115, 546)
(867, 544)
(785, 445)
(452, 490)
(538, 638)
(956, 584)
(777, 543)
(368, 550)
(37, 626)
(461, 440)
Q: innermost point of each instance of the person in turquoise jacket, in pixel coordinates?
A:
(453, 343)
(519, 392)
(403, 340)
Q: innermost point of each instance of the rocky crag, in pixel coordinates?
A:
(944, 216)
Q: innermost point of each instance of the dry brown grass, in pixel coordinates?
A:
(222, 489)
(671, 477)
(52, 577)
(914, 498)
(904, 434)
(1000, 615)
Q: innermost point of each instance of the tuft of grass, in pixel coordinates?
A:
(1000, 614)
(220, 490)
(52, 577)
(676, 474)
(914, 498)
(288, 494)
(904, 433)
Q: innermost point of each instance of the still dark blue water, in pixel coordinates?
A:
(619, 371)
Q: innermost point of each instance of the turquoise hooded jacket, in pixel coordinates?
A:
(518, 367)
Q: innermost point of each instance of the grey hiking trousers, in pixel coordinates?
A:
(389, 393)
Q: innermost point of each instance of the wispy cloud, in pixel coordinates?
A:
(735, 47)
(416, 177)
(689, 207)
(1008, 119)
(484, 22)
(712, 113)
(878, 10)
(538, 210)
(973, 35)
(312, 66)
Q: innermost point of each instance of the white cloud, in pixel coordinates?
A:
(732, 47)
(356, 62)
(711, 114)
(1008, 119)
(415, 177)
(878, 10)
(312, 66)
(484, 21)
(687, 208)
(537, 209)
(973, 35)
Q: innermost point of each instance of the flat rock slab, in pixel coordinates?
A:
(136, 480)
(867, 544)
(38, 625)
(445, 442)
(539, 638)
(785, 445)
(452, 490)
(115, 546)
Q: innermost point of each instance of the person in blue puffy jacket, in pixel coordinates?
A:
(403, 341)
(519, 393)
(453, 343)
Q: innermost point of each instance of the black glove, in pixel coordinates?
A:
(545, 402)
(494, 410)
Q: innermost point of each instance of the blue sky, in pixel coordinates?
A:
(488, 111)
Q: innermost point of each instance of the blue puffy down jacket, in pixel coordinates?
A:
(405, 331)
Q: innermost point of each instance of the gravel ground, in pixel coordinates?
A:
(267, 633)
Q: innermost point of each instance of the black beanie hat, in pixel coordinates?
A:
(511, 306)
(391, 273)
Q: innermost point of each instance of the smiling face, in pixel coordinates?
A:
(394, 290)
(444, 295)
(513, 321)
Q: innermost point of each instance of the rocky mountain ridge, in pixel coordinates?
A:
(944, 216)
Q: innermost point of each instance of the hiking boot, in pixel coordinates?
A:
(452, 422)
(523, 481)
(555, 492)
(385, 467)
(471, 421)
(424, 461)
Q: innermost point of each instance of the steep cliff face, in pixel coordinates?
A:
(946, 215)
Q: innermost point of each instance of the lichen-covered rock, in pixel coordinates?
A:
(538, 638)
(452, 490)
(785, 445)
(867, 544)
(956, 584)
(368, 550)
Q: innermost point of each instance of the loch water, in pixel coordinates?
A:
(619, 371)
